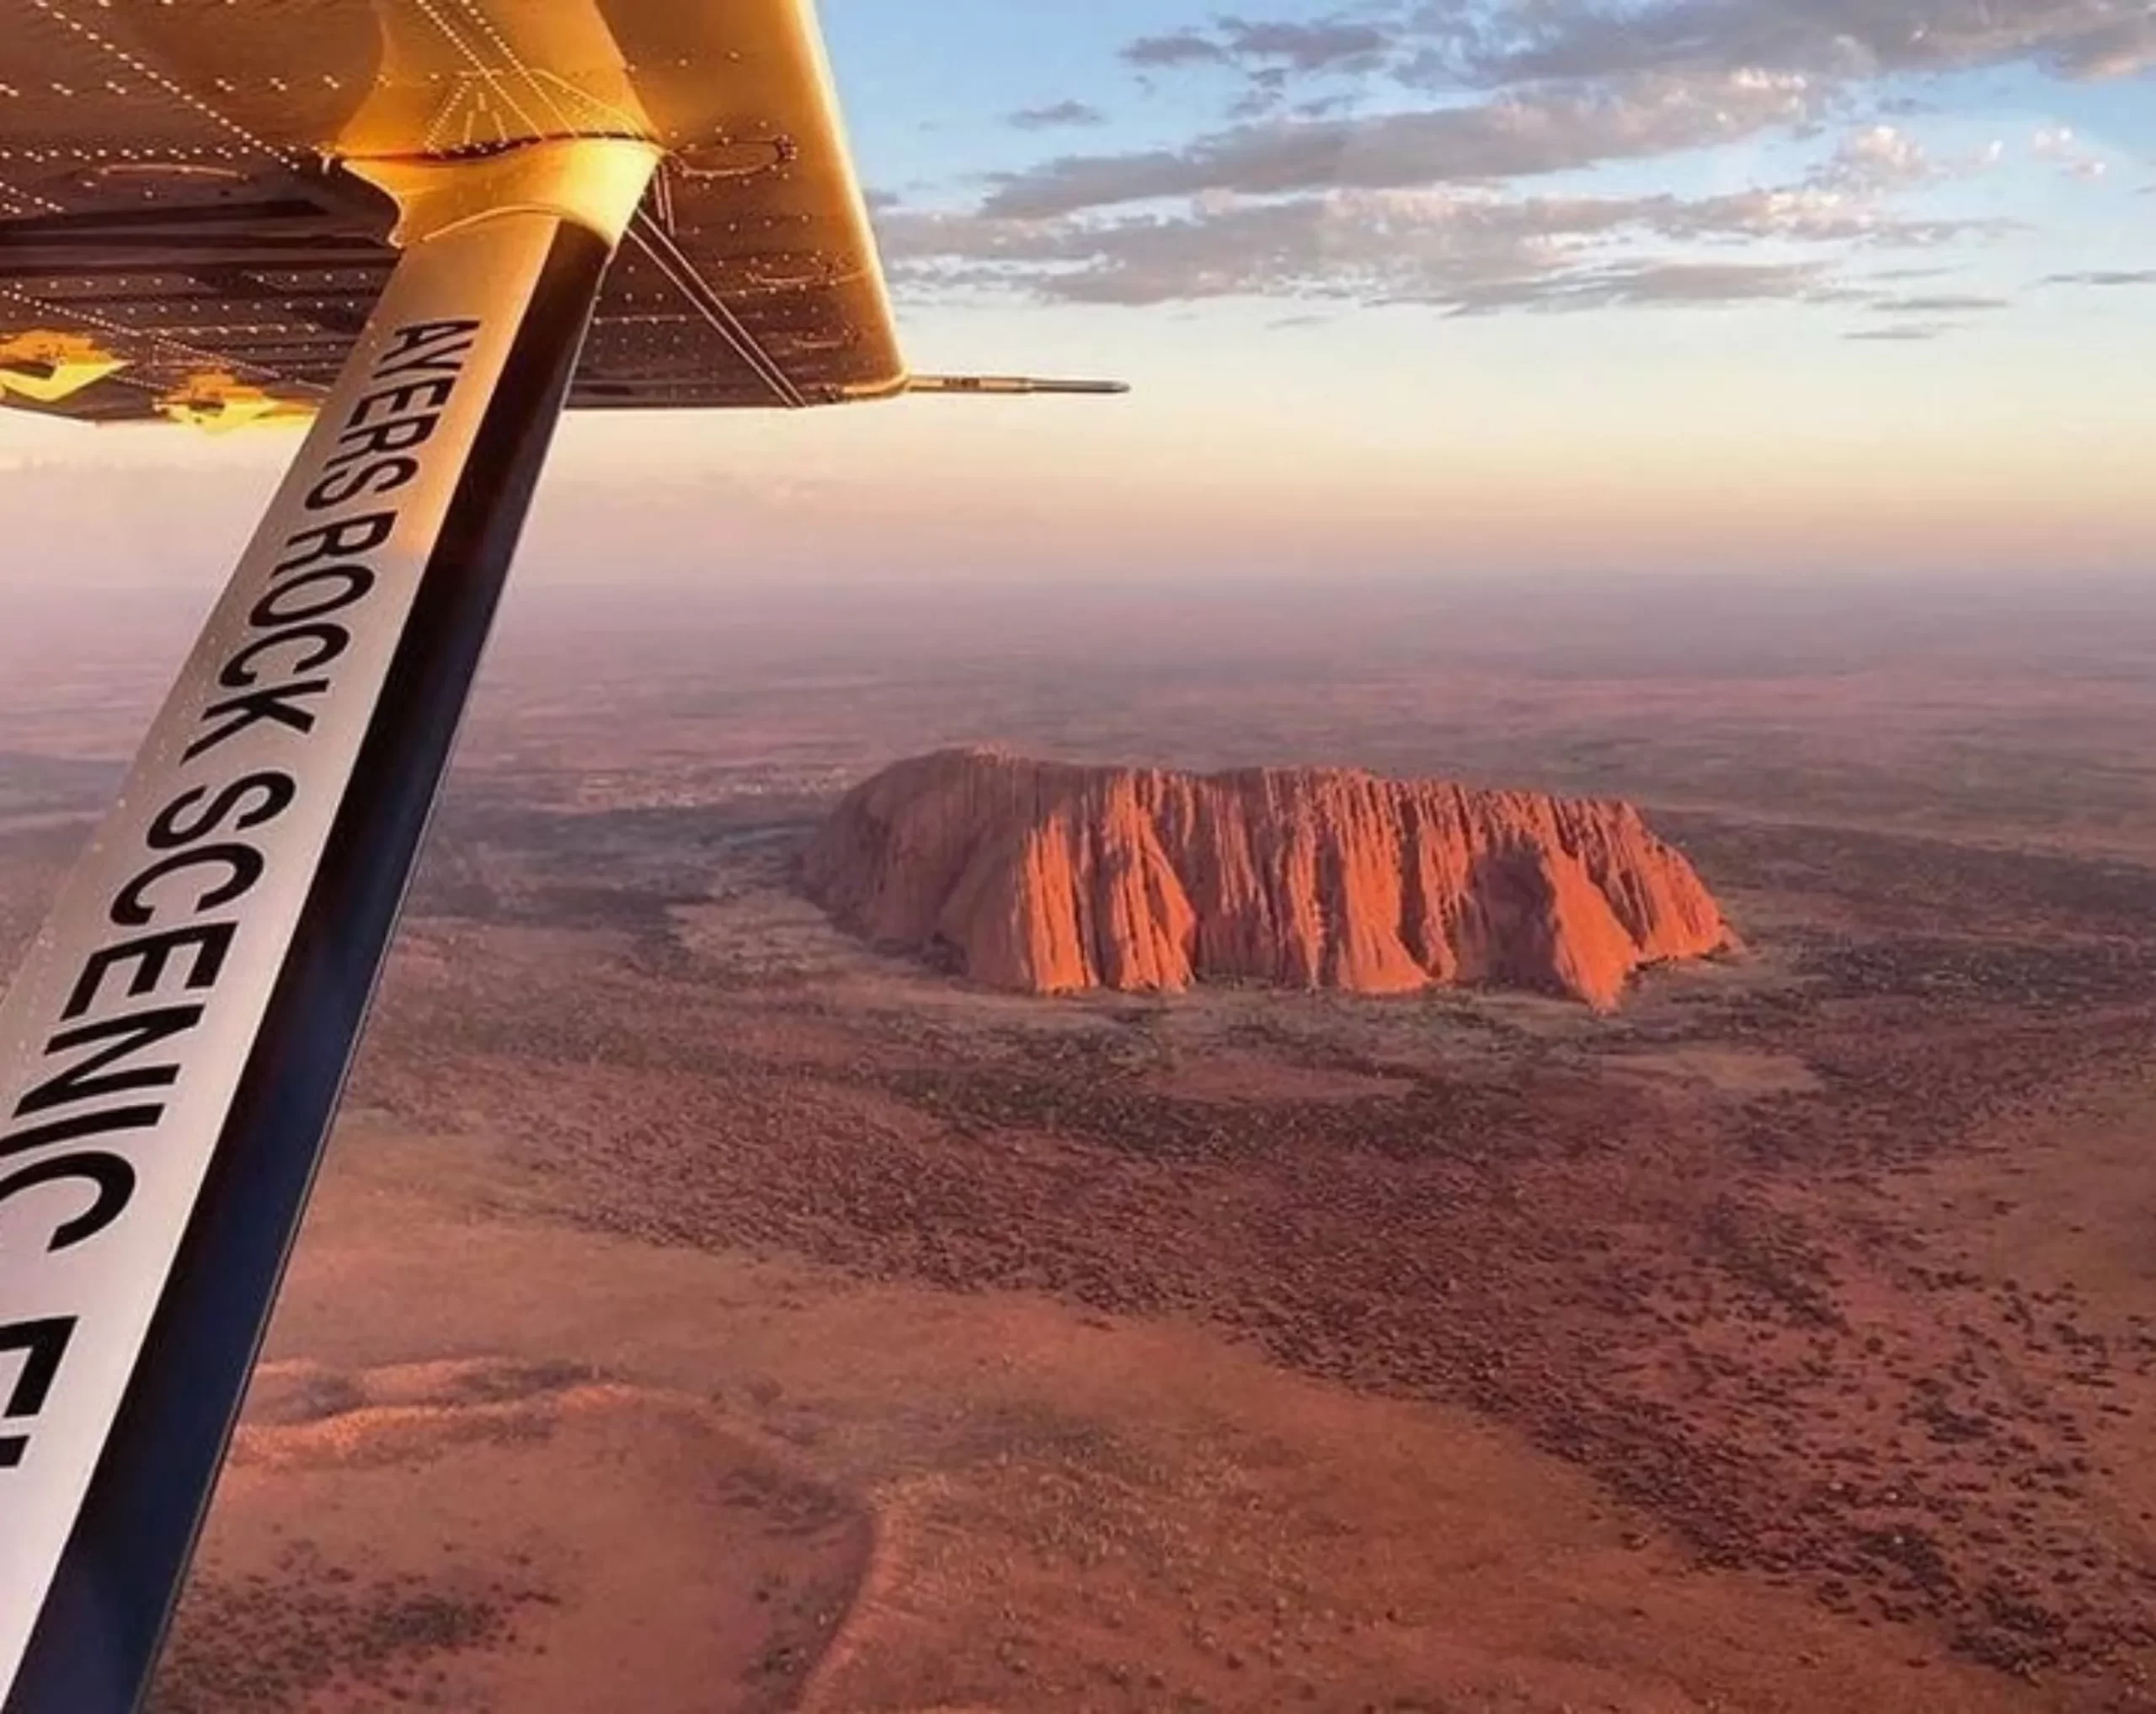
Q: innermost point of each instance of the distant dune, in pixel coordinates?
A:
(1051, 878)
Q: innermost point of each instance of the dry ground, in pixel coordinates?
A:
(1068, 1510)
(700, 1312)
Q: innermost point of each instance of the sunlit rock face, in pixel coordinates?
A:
(1053, 879)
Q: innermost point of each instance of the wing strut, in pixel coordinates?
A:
(172, 1050)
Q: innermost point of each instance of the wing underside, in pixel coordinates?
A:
(183, 234)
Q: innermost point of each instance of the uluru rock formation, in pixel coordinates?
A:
(1052, 878)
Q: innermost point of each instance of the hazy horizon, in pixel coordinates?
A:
(1728, 288)
(1849, 615)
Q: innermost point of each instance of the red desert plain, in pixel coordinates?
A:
(1463, 1150)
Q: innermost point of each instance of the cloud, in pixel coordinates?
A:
(1184, 47)
(1298, 195)
(1307, 47)
(1510, 136)
(1459, 45)
(2122, 50)
(1832, 38)
(1902, 331)
(2057, 143)
(1056, 114)
(1646, 283)
(1463, 249)
(2105, 276)
(1809, 213)
(1329, 45)
(1880, 155)
(1939, 303)
(1275, 58)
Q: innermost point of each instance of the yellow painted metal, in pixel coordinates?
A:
(47, 366)
(191, 184)
(218, 403)
(597, 182)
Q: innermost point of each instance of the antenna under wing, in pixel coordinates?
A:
(1007, 383)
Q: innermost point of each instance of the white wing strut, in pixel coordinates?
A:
(173, 1048)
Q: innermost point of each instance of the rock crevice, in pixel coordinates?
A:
(1052, 878)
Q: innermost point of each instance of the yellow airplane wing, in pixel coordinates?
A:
(188, 231)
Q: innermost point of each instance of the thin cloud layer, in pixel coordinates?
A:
(1837, 38)
(1460, 250)
(1941, 303)
(1057, 114)
(1329, 45)
(1511, 137)
(1904, 332)
(1458, 43)
(1646, 284)
(1295, 194)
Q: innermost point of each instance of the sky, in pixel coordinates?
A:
(1413, 287)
